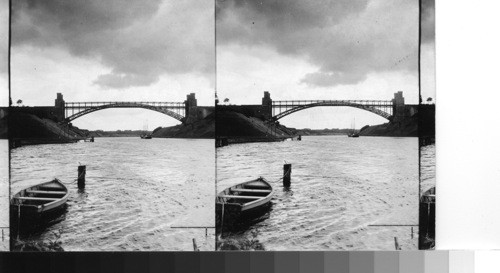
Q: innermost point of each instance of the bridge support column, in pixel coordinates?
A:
(190, 102)
(60, 108)
(267, 103)
(398, 104)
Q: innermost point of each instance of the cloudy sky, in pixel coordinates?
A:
(428, 50)
(4, 47)
(146, 50)
(344, 49)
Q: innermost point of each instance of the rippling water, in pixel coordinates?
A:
(340, 186)
(136, 191)
(428, 167)
(4, 194)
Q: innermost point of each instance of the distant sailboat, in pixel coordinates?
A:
(145, 128)
(353, 132)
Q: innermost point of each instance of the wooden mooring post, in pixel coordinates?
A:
(396, 244)
(81, 176)
(287, 175)
(195, 246)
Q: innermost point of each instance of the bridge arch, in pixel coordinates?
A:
(371, 109)
(160, 109)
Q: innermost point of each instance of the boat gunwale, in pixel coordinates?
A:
(266, 198)
(42, 207)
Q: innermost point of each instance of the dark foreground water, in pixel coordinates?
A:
(136, 192)
(340, 186)
(428, 167)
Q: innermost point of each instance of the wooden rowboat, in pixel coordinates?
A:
(427, 219)
(429, 196)
(39, 200)
(243, 201)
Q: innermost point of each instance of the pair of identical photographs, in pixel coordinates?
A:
(321, 136)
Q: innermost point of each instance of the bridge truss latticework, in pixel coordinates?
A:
(74, 110)
(284, 108)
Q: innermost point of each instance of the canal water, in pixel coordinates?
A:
(137, 192)
(340, 187)
(428, 167)
(4, 195)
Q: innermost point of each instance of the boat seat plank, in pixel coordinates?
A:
(46, 192)
(37, 198)
(50, 188)
(251, 190)
(257, 187)
(241, 197)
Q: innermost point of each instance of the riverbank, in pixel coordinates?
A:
(203, 128)
(37, 246)
(234, 127)
(118, 133)
(404, 128)
(27, 129)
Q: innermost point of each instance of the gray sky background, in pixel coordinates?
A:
(107, 51)
(428, 50)
(154, 50)
(4, 47)
(361, 49)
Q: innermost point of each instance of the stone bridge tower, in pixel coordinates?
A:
(190, 103)
(398, 106)
(267, 104)
(59, 108)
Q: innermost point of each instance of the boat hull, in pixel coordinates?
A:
(427, 219)
(233, 213)
(36, 206)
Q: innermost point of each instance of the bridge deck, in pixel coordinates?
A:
(278, 103)
(75, 110)
(282, 108)
(82, 105)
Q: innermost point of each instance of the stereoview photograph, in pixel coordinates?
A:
(112, 125)
(317, 125)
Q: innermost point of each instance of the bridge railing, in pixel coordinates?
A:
(280, 106)
(81, 105)
(72, 108)
(292, 103)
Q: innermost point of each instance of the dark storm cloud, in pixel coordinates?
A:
(140, 40)
(346, 39)
(428, 21)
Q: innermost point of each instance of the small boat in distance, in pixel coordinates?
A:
(40, 200)
(146, 136)
(353, 132)
(353, 135)
(246, 199)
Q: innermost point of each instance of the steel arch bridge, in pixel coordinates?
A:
(283, 108)
(74, 110)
